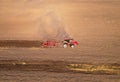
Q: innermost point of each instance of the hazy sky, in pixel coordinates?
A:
(20, 19)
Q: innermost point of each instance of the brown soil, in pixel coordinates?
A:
(20, 43)
(60, 66)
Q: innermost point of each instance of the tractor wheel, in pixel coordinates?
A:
(72, 45)
(65, 45)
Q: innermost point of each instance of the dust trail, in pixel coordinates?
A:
(51, 27)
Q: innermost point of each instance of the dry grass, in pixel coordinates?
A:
(92, 68)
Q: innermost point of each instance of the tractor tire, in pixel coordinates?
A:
(72, 45)
(65, 45)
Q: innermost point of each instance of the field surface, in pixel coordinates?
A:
(49, 65)
(95, 24)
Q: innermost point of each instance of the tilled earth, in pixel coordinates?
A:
(57, 65)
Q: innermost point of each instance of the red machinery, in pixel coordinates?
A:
(67, 42)
(49, 44)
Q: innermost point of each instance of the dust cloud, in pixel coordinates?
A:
(51, 27)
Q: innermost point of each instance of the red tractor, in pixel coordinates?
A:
(69, 42)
